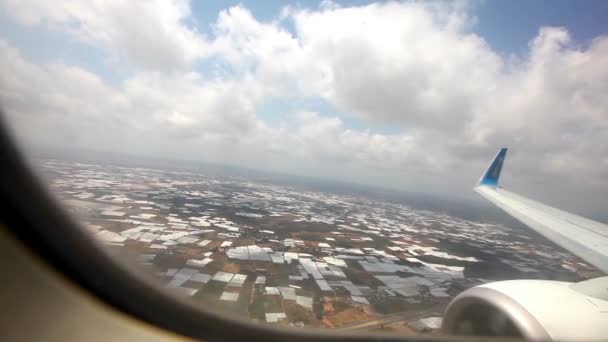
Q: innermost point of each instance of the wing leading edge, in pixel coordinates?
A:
(583, 237)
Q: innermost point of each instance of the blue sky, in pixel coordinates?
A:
(510, 25)
(414, 95)
(507, 25)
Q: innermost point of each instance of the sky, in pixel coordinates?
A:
(407, 95)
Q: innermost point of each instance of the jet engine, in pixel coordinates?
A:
(532, 309)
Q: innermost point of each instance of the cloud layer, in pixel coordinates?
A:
(419, 68)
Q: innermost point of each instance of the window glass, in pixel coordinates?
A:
(312, 165)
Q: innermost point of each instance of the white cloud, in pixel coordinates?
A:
(150, 34)
(417, 66)
(388, 62)
(56, 102)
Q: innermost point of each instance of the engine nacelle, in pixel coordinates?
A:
(532, 309)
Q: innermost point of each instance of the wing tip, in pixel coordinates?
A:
(492, 174)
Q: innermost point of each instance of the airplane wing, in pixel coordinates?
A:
(585, 238)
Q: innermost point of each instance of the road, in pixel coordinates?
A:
(385, 320)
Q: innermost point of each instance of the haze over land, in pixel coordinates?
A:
(414, 95)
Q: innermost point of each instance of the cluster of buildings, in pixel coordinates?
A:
(291, 256)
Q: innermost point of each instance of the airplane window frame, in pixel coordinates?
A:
(30, 213)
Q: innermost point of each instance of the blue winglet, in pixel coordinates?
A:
(490, 177)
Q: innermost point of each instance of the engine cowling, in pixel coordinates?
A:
(532, 309)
